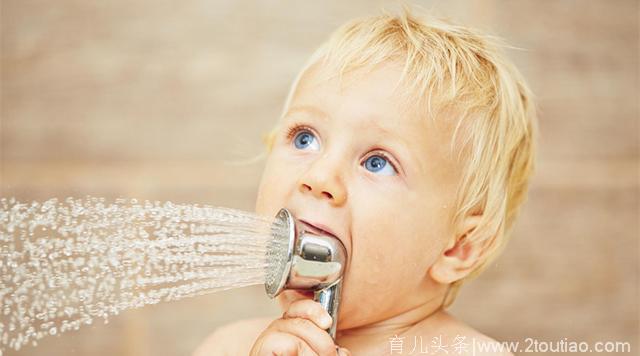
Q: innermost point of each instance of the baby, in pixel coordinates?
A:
(412, 140)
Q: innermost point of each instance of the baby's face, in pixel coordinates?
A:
(356, 160)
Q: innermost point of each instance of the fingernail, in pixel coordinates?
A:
(325, 320)
(343, 352)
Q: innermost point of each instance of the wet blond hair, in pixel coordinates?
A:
(453, 69)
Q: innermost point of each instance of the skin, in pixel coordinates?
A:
(394, 218)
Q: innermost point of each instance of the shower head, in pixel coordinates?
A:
(300, 259)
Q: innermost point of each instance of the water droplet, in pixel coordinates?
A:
(85, 258)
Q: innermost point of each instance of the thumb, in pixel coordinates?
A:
(343, 352)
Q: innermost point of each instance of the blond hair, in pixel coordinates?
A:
(449, 67)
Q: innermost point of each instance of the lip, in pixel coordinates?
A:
(319, 228)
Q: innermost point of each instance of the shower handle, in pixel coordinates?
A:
(301, 260)
(329, 298)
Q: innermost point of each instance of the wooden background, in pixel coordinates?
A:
(153, 99)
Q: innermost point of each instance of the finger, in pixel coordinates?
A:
(309, 309)
(279, 343)
(318, 339)
(343, 352)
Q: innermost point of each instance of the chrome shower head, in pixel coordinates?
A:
(300, 259)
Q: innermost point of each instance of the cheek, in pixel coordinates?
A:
(388, 251)
(396, 233)
(274, 187)
(393, 247)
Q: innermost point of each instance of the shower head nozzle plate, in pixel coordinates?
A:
(280, 253)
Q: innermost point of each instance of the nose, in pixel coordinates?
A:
(324, 181)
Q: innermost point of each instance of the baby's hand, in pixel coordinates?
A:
(300, 331)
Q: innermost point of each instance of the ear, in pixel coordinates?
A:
(460, 255)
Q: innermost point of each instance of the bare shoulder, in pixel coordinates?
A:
(463, 339)
(235, 338)
(481, 344)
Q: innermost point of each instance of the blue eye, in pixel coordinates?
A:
(378, 163)
(304, 139)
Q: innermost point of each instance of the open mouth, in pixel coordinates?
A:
(316, 230)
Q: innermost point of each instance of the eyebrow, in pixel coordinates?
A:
(307, 108)
(373, 125)
(322, 115)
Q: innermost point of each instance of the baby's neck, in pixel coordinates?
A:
(422, 318)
